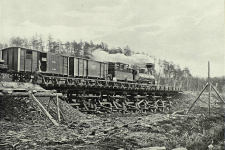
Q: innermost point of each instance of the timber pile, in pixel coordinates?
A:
(23, 109)
(69, 114)
(20, 85)
(19, 110)
(18, 105)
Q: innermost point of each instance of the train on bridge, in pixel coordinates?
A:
(89, 85)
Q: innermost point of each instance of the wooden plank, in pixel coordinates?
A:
(26, 94)
(4, 57)
(34, 61)
(10, 59)
(15, 59)
(198, 97)
(58, 110)
(22, 60)
(209, 86)
(18, 59)
(218, 94)
(44, 110)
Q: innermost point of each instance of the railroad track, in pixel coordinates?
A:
(101, 96)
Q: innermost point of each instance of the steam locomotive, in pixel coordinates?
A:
(24, 64)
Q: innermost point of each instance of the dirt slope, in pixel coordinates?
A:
(23, 126)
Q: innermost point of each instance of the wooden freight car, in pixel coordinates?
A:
(23, 62)
(120, 71)
(87, 68)
(97, 69)
(21, 59)
(57, 64)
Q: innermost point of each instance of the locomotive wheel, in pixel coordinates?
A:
(47, 80)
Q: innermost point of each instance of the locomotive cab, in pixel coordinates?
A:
(120, 71)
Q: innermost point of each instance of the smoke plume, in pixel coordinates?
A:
(135, 59)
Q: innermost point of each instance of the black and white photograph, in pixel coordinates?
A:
(112, 75)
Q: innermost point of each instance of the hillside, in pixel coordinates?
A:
(24, 126)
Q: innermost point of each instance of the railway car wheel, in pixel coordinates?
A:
(16, 77)
(69, 81)
(26, 78)
(55, 80)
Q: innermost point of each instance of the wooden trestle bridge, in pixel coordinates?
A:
(92, 95)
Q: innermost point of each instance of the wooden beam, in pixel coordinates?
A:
(197, 97)
(26, 94)
(44, 110)
(209, 84)
(58, 110)
(218, 94)
(61, 113)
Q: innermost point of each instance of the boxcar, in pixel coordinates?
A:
(96, 69)
(87, 68)
(21, 59)
(120, 71)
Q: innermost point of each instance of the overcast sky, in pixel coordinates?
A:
(187, 32)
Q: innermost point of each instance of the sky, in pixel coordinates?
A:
(187, 32)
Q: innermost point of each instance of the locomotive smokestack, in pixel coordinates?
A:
(149, 66)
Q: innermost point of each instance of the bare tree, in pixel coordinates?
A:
(16, 41)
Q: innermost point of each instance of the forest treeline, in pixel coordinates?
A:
(168, 73)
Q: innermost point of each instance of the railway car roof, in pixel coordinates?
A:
(24, 48)
(52, 53)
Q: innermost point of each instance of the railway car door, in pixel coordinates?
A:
(4, 57)
(10, 59)
(64, 65)
(71, 66)
(42, 62)
(34, 60)
(85, 68)
(28, 60)
(103, 70)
